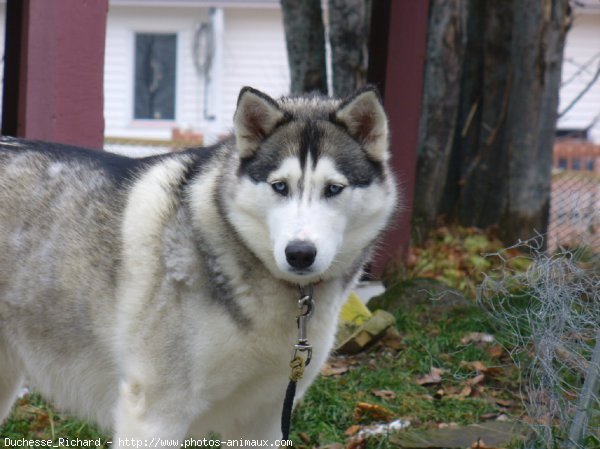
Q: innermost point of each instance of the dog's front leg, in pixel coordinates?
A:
(150, 416)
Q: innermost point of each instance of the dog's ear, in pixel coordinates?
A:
(364, 117)
(254, 119)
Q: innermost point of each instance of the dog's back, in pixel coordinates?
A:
(61, 246)
(58, 225)
(59, 210)
(48, 200)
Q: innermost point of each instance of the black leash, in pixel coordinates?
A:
(297, 365)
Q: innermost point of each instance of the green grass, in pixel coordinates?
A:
(328, 408)
(428, 339)
(33, 418)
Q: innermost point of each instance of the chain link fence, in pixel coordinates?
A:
(575, 197)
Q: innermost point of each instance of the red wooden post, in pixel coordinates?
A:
(59, 49)
(401, 82)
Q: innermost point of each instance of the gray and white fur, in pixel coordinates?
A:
(157, 297)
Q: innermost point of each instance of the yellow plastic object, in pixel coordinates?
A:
(354, 311)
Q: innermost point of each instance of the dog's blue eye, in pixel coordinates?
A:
(333, 189)
(280, 187)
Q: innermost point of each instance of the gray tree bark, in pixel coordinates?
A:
(481, 147)
(349, 22)
(537, 48)
(443, 70)
(487, 139)
(305, 41)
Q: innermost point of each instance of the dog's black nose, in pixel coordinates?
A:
(300, 254)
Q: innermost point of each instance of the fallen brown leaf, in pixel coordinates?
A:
(482, 367)
(334, 368)
(495, 352)
(392, 339)
(371, 412)
(507, 403)
(479, 366)
(477, 379)
(384, 394)
(446, 357)
(304, 437)
(354, 360)
(41, 422)
(352, 430)
(434, 377)
(465, 392)
(356, 443)
(488, 416)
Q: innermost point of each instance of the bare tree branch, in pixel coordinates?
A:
(582, 93)
(580, 68)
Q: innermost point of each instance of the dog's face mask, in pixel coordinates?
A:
(313, 187)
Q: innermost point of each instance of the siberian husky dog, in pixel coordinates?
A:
(158, 297)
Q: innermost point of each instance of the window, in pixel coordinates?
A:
(562, 163)
(589, 164)
(154, 86)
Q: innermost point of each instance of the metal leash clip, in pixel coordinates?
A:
(306, 306)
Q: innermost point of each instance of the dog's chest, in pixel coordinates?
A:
(242, 357)
(251, 369)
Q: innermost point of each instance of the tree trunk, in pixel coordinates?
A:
(349, 35)
(480, 144)
(443, 69)
(305, 40)
(538, 43)
(488, 138)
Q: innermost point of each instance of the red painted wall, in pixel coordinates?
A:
(402, 87)
(61, 71)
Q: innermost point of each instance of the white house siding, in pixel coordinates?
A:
(123, 22)
(253, 49)
(254, 55)
(582, 47)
